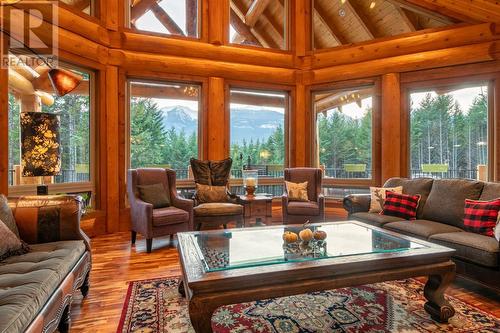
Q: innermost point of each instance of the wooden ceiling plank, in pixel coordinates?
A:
(140, 8)
(256, 9)
(406, 19)
(424, 11)
(242, 29)
(336, 34)
(166, 20)
(470, 11)
(363, 21)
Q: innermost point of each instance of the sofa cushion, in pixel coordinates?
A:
(10, 244)
(421, 228)
(27, 281)
(473, 247)
(6, 215)
(415, 186)
(169, 215)
(374, 218)
(303, 208)
(446, 201)
(218, 209)
(490, 191)
(155, 194)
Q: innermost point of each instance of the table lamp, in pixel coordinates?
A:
(40, 146)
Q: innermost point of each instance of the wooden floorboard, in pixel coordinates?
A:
(116, 262)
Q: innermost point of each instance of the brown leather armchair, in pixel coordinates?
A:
(297, 212)
(151, 222)
(214, 214)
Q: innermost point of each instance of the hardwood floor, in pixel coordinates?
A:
(116, 262)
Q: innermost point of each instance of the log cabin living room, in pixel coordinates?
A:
(249, 166)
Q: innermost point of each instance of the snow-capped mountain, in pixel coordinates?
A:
(246, 123)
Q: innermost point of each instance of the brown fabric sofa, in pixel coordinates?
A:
(36, 288)
(440, 220)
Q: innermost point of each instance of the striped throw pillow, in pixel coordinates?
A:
(401, 205)
(481, 216)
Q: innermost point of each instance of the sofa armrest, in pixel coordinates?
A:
(141, 216)
(48, 218)
(186, 205)
(356, 203)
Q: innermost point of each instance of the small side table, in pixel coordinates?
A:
(258, 208)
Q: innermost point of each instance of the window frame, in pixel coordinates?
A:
(201, 26)
(202, 121)
(288, 24)
(376, 131)
(456, 83)
(76, 187)
(256, 87)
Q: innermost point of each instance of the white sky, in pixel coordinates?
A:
(464, 97)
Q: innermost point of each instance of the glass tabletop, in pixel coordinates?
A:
(238, 248)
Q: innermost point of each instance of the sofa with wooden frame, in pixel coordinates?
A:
(36, 288)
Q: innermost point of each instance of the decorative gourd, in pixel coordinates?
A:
(319, 235)
(306, 235)
(290, 237)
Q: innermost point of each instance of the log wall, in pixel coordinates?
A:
(117, 53)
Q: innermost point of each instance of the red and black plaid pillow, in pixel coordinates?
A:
(401, 205)
(481, 216)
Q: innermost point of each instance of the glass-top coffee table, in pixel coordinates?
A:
(231, 266)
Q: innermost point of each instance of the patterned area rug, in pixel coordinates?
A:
(154, 306)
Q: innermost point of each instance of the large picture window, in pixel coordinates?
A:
(259, 23)
(344, 133)
(180, 18)
(164, 120)
(75, 112)
(258, 131)
(449, 132)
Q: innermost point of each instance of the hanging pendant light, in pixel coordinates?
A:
(64, 81)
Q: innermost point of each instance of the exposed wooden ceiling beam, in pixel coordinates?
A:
(265, 41)
(424, 11)
(78, 4)
(363, 21)
(339, 99)
(192, 17)
(470, 11)
(169, 92)
(166, 20)
(140, 8)
(406, 19)
(242, 29)
(336, 34)
(255, 11)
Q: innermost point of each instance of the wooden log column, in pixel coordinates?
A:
(4, 123)
(299, 150)
(218, 120)
(391, 126)
(112, 153)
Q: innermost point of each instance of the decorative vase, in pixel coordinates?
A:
(250, 181)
